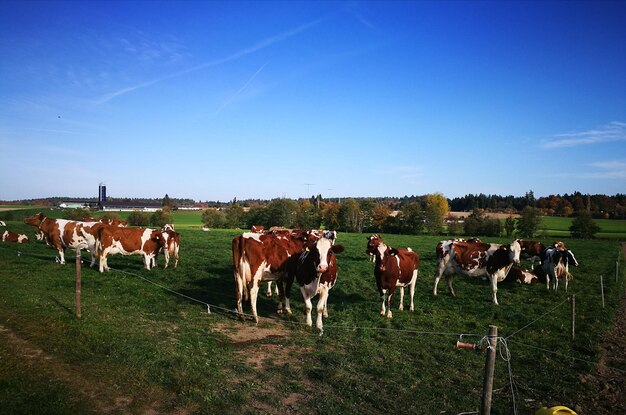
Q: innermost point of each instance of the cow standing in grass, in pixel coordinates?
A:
(393, 267)
(316, 273)
(475, 259)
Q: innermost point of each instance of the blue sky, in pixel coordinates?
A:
(216, 100)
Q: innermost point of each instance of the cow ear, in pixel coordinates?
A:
(338, 249)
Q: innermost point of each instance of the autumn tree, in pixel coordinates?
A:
(435, 210)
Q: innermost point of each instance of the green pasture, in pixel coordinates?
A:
(139, 348)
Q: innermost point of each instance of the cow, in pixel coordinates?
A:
(532, 250)
(556, 265)
(393, 267)
(316, 273)
(62, 233)
(171, 245)
(114, 222)
(522, 276)
(128, 241)
(264, 257)
(475, 259)
(10, 236)
(257, 228)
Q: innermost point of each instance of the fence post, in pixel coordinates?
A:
(78, 314)
(602, 290)
(490, 365)
(616, 269)
(573, 316)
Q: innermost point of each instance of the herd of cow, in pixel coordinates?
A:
(309, 257)
(103, 238)
(285, 255)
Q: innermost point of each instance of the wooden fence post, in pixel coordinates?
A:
(602, 290)
(490, 366)
(573, 299)
(78, 283)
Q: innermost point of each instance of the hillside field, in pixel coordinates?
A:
(140, 348)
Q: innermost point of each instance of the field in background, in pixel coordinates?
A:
(141, 349)
(551, 227)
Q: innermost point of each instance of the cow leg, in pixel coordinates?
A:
(401, 306)
(307, 305)
(254, 291)
(437, 278)
(412, 290)
(62, 255)
(382, 297)
(147, 260)
(494, 288)
(268, 292)
(449, 279)
(389, 297)
(239, 291)
(321, 306)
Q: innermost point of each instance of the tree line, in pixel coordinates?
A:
(428, 215)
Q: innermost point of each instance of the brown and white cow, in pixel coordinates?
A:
(393, 267)
(522, 276)
(264, 257)
(475, 259)
(171, 245)
(10, 236)
(62, 233)
(316, 273)
(128, 241)
(532, 250)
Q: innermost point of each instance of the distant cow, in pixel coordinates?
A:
(128, 241)
(393, 267)
(556, 265)
(62, 233)
(10, 236)
(476, 260)
(316, 273)
(171, 245)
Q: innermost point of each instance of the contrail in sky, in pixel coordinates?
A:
(229, 100)
(247, 51)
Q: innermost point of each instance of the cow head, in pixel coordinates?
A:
(570, 258)
(372, 244)
(321, 251)
(35, 220)
(168, 227)
(514, 251)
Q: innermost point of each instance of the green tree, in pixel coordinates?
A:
(257, 215)
(80, 214)
(412, 218)
(138, 218)
(349, 216)
(583, 226)
(528, 223)
(281, 212)
(213, 218)
(234, 216)
(509, 226)
(307, 215)
(330, 215)
(166, 201)
(161, 217)
(436, 209)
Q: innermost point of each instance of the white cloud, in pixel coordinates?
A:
(613, 131)
(613, 169)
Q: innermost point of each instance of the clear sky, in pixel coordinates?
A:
(215, 100)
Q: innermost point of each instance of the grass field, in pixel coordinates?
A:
(141, 349)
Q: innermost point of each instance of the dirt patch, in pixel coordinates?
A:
(92, 390)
